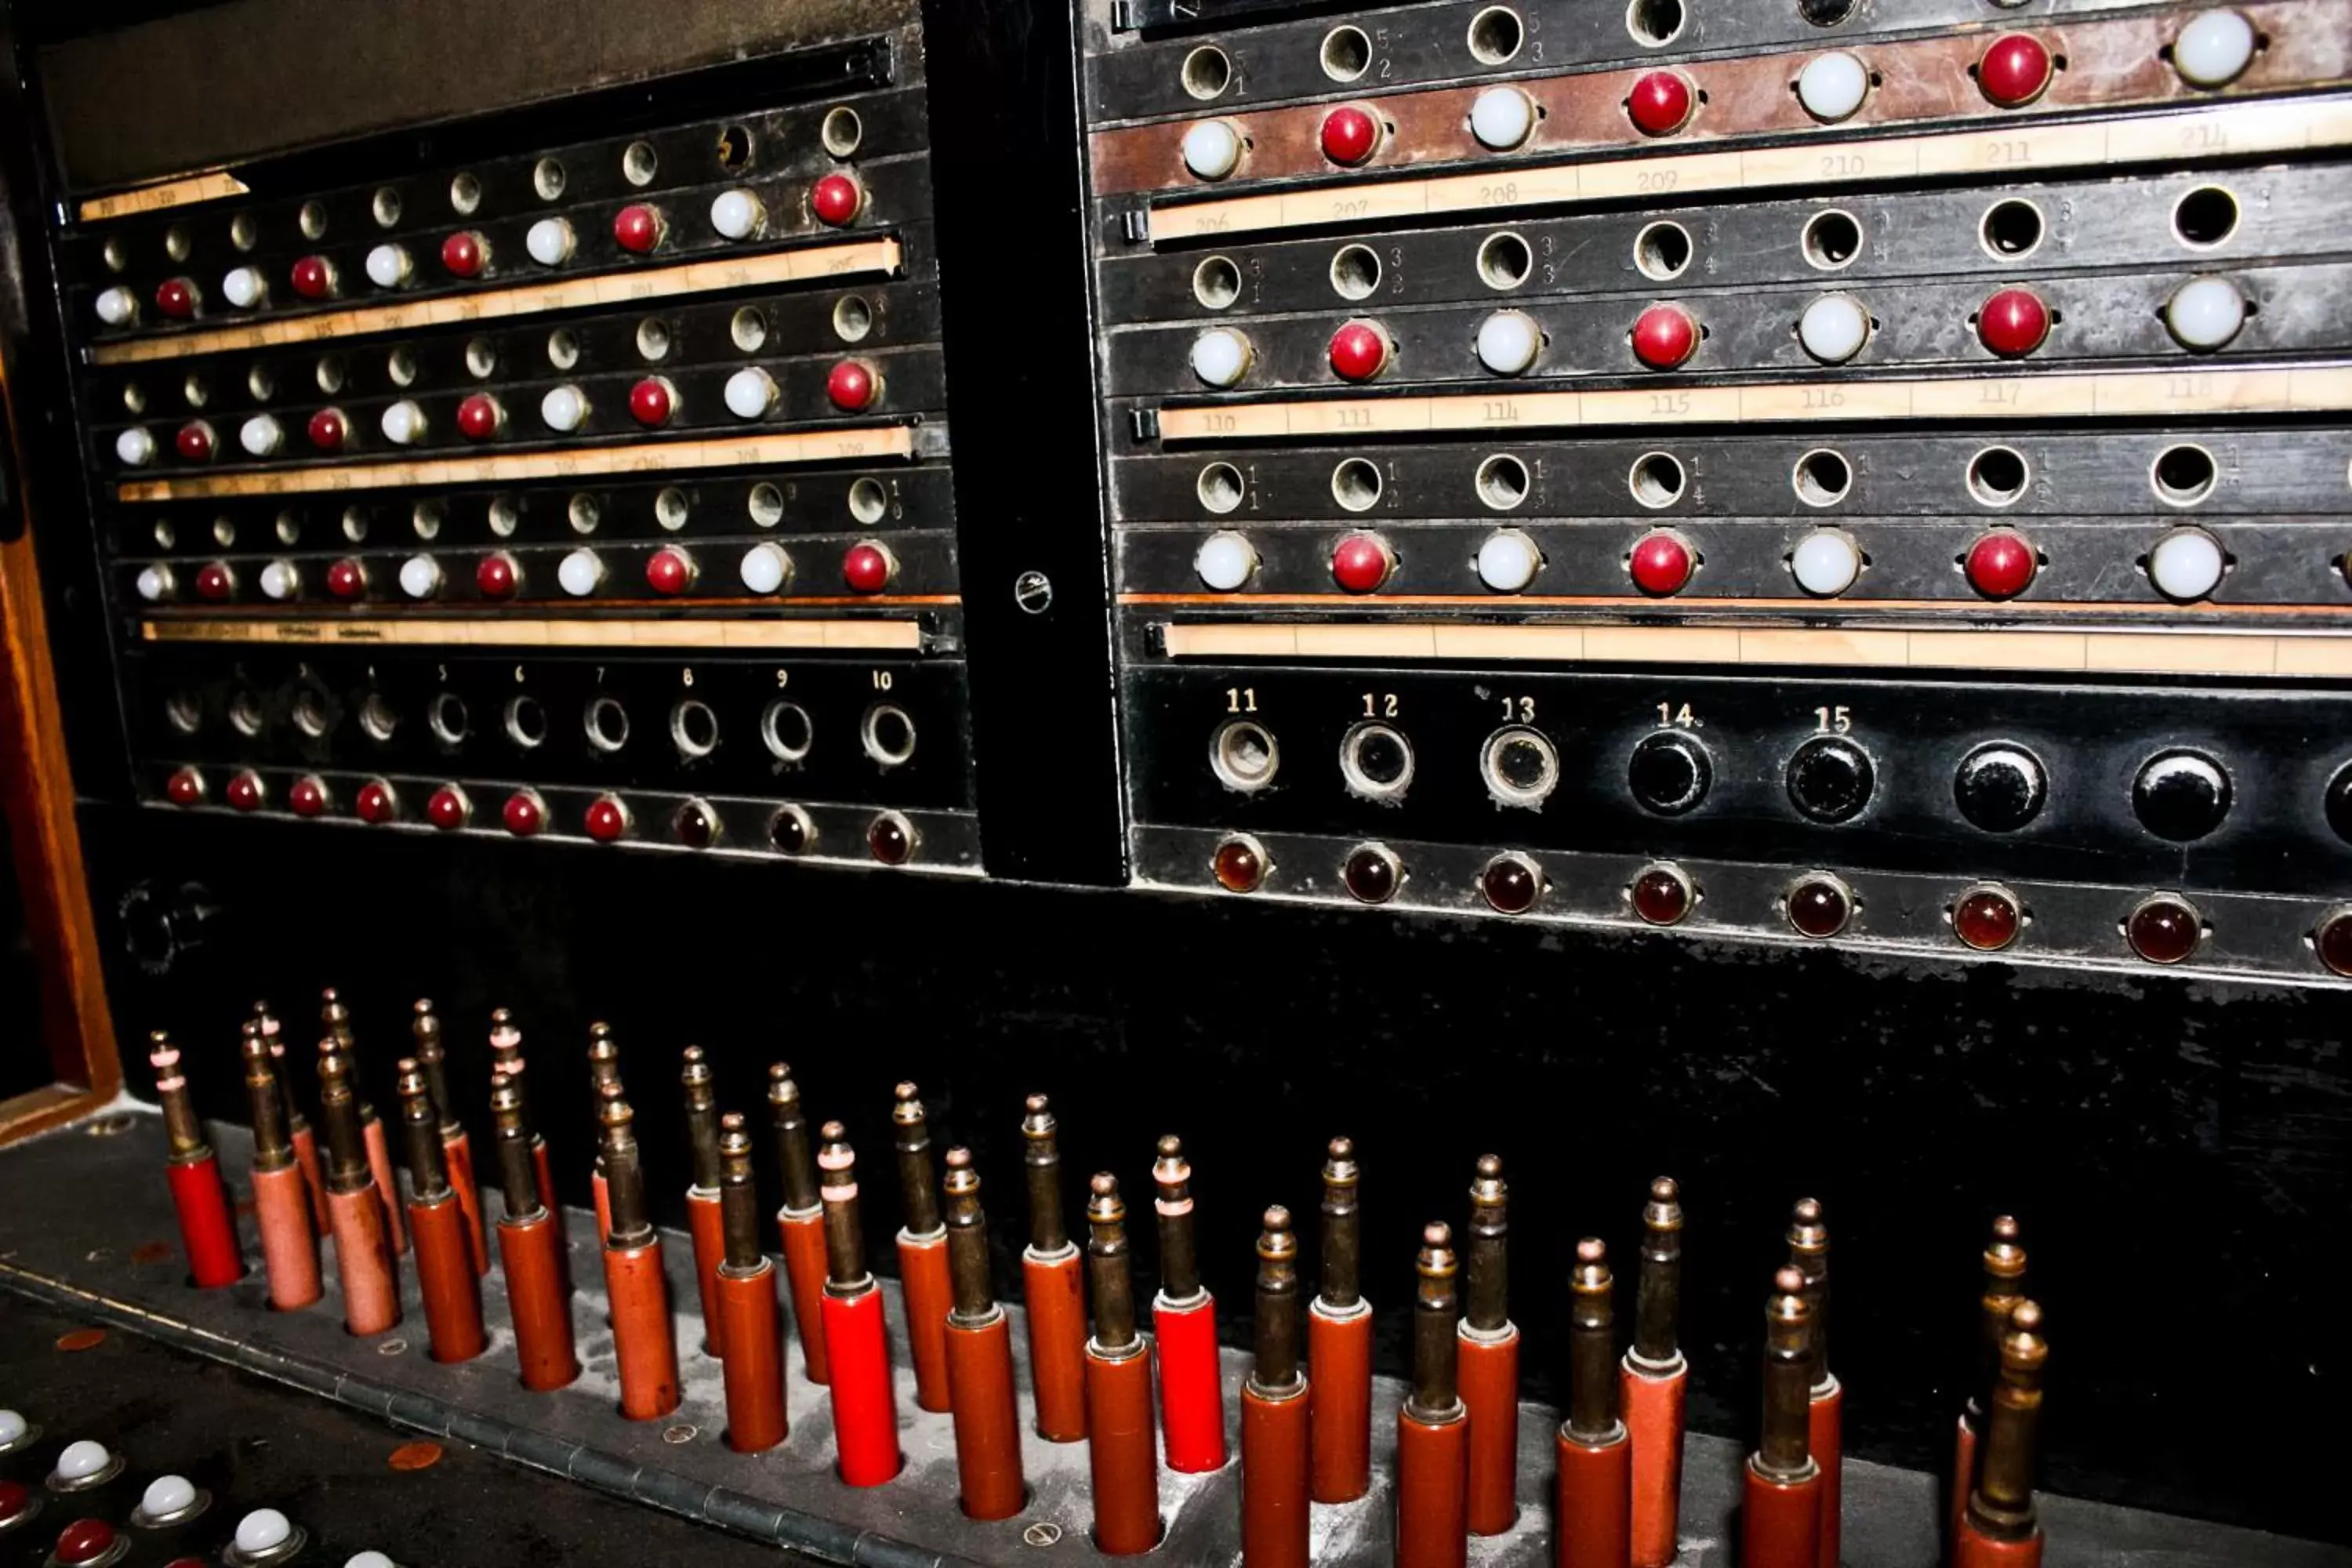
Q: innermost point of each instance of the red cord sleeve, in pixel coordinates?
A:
(1122, 1459)
(289, 1252)
(1274, 1465)
(864, 1411)
(1055, 1289)
(755, 1362)
(1595, 1522)
(1654, 1406)
(1433, 1480)
(1490, 1390)
(645, 1339)
(207, 1231)
(1340, 1364)
(1192, 1385)
(987, 1420)
(539, 1301)
(1781, 1522)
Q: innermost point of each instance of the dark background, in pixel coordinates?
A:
(2176, 1151)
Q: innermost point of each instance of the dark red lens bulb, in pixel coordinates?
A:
(1660, 103)
(2163, 928)
(194, 442)
(638, 227)
(2333, 941)
(328, 430)
(1239, 865)
(375, 803)
(480, 416)
(448, 808)
(697, 825)
(606, 820)
(890, 838)
(790, 830)
(1373, 875)
(1662, 895)
(346, 579)
(496, 576)
(313, 278)
(868, 567)
(2014, 323)
(1987, 919)
(2015, 69)
(1362, 563)
(651, 401)
(1349, 135)
(245, 791)
(185, 787)
(1660, 564)
(522, 814)
(1512, 884)
(2000, 565)
(1664, 337)
(835, 199)
(465, 254)
(1359, 351)
(1819, 906)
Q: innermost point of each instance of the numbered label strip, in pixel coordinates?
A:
(781, 266)
(2077, 653)
(863, 443)
(518, 631)
(2236, 130)
(164, 195)
(2115, 395)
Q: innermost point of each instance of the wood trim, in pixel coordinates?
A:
(854, 444)
(2004, 151)
(849, 259)
(163, 195)
(38, 1110)
(543, 631)
(2196, 388)
(36, 794)
(2120, 652)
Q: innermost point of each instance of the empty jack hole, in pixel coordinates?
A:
(735, 146)
(1216, 282)
(1347, 53)
(1376, 761)
(526, 723)
(183, 712)
(448, 719)
(887, 734)
(1832, 240)
(1356, 484)
(244, 714)
(1244, 755)
(2182, 476)
(376, 717)
(1521, 766)
(1355, 272)
(1822, 477)
(1502, 481)
(2011, 228)
(1220, 487)
(694, 728)
(1207, 72)
(1654, 22)
(607, 724)
(1997, 476)
(842, 132)
(2205, 216)
(1662, 251)
(1505, 261)
(1657, 480)
(1496, 35)
(868, 501)
(787, 730)
(311, 712)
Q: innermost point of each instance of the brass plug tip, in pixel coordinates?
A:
(1592, 1251)
(732, 1139)
(1037, 1105)
(260, 1007)
(410, 1077)
(1805, 1226)
(615, 1111)
(159, 1038)
(1276, 1218)
(1436, 1251)
(423, 1008)
(2006, 1228)
(834, 1132)
(960, 1177)
(1808, 1211)
(1276, 1240)
(906, 1109)
(696, 1070)
(1590, 1275)
(503, 1017)
(782, 1089)
(2026, 1317)
(1103, 1205)
(1171, 1169)
(1341, 1152)
(504, 1095)
(253, 1046)
(1664, 1191)
(1490, 1167)
(1037, 1123)
(731, 1122)
(1789, 1290)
